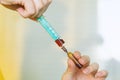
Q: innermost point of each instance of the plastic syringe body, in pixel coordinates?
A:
(57, 39)
(51, 31)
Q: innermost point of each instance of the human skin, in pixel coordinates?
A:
(27, 8)
(87, 72)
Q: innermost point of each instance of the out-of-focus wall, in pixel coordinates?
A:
(108, 53)
(11, 36)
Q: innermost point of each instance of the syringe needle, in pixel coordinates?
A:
(64, 49)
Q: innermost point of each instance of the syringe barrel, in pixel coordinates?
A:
(48, 27)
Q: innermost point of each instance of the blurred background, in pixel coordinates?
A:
(27, 52)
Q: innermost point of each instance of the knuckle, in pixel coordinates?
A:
(94, 67)
(84, 60)
(86, 57)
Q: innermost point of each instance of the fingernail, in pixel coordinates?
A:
(82, 61)
(86, 71)
(98, 74)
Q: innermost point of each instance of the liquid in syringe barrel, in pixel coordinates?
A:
(48, 28)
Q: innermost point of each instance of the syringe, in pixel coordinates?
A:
(57, 39)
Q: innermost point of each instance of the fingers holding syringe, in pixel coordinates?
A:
(33, 8)
(41, 6)
(27, 8)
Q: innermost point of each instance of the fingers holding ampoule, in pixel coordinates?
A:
(87, 72)
(83, 60)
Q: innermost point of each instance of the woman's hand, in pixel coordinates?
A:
(87, 72)
(27, 8)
